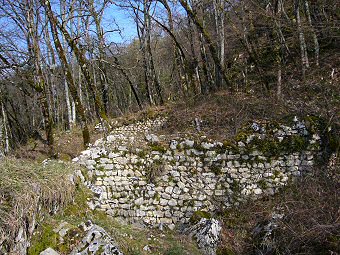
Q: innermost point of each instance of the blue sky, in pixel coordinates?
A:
(124, 21)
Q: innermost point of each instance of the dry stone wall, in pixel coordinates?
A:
(142, 177)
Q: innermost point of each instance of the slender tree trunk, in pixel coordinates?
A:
(142, 40)
(4, 132)
(279, 83)
(219, 26)
(68, 106)
(64, 45)
(5, 129)
(315, 38)
(150, 61)
(281, 46)
(133, 89)
(101, 47)
(194, 67)
(303, 47)
(207, 77)
(51, 61)
(212, 48)
(155, 76)
(72, 61)
(40, 82)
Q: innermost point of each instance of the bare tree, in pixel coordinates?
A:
(213, 51)
(67, 72)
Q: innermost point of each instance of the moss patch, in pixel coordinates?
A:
(157, 147)
(271, 146)
(198, 215)
(43, 239)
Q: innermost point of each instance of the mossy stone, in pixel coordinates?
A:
(48, 238)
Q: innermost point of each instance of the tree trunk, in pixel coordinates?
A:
(68, 73)
(315, 38)
(148, 52)
(219, 26)
(39, 80)
(212, 48)
(142, 42)
(303, 47)
(102, 68)
(70, 121)
(133, 89)
(82, 61)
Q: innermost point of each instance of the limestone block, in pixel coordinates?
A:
(163, 201)
(165, 196)
(258, 191)
(49, 251)
(169, 189)
(172, 202)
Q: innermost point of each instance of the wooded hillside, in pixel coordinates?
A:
(60, 65)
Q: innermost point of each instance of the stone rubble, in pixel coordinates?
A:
(96, 241)
(264, 232)
(93, 240)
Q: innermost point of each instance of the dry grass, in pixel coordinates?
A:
(147, 113)
(222, 114)
(311, 224)
(26, 186)
(68, 144)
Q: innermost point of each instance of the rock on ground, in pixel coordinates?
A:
(207, 234)
(96, 241)
(49, 251)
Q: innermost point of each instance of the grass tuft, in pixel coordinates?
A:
(26, 186)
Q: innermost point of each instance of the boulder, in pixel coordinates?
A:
(207, 234)
(96, 239)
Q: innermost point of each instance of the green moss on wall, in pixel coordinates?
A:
(157, 147)
(225, 251)
(217, 170)
(262, 184)
(271, 146)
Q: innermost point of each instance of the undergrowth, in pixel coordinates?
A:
(26, 186)
(311, 222)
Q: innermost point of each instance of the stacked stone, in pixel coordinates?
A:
(165, 185)
(130, 136)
